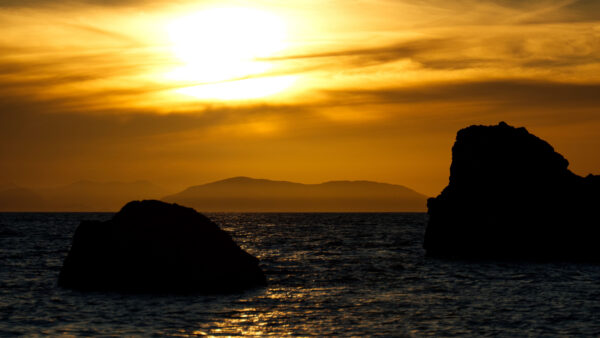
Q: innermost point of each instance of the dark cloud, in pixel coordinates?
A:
(115, 126)
(515, 11)
(418, 123)
(379, 54)
(459, 50)
(572, 11)
(553, 102)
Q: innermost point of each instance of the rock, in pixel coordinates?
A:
(511, 196)
(152, 246)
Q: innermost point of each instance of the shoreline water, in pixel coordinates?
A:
(328, 274)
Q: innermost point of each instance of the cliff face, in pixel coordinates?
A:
(511, 196)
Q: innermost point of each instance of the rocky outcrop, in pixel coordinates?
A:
(512, 196)
(152, 246)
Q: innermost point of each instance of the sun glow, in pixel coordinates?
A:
(219, 50)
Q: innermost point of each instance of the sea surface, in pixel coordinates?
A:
(328, 274)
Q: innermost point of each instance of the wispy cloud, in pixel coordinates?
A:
(82, 89)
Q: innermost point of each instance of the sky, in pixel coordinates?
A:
(187, 92)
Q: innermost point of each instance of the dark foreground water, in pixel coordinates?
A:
(329, 274)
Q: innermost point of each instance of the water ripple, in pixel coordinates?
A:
(329, 274)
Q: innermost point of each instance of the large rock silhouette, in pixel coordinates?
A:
(152, 246)
(511, 196)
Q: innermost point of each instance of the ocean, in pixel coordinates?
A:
(329, 274)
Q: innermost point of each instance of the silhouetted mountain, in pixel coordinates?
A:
(511, 196)
(260, 195)
(152, 246)
(78, 196)
(14, 198)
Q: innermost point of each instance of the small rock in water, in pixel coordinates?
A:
(152, 246)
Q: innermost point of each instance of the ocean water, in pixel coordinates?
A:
(328, 274)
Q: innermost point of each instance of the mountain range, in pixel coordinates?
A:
(237, 194)
(79, 196)
(244, 194)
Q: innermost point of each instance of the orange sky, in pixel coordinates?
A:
(182, 93)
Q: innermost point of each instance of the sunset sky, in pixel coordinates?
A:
(186, 92)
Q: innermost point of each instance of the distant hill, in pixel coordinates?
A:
(99, 196)
(244, 194)
(15, 198)
(78, 196)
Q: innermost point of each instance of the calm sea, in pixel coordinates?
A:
(329, 274)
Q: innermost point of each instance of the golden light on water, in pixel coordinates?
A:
(219, 50)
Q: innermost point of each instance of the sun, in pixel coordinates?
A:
(220, 52)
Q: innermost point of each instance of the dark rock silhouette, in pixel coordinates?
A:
(511, 196)
(152, 246)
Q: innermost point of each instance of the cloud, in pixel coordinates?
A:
(112, 75)
(131, 42)
(383, 53)
(411, 132)
(558, 100)
(69, 3)
(380, 89)
(495, 12)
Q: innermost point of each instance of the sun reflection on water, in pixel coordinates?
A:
(329, 275)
